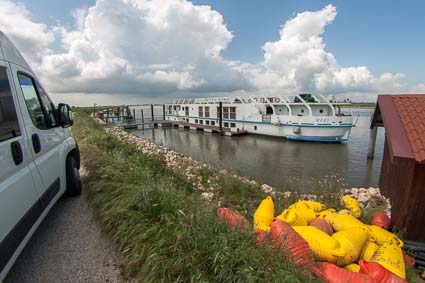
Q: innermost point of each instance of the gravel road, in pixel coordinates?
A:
(68, 247)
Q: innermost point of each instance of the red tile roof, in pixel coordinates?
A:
(411, 110)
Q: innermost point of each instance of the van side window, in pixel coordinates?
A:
(9, 126)
(48, 105)
(39, 106)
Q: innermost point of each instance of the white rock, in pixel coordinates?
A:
(266, 188)
(363, 197)
(208, 196)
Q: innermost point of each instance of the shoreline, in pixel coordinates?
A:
(158, 207)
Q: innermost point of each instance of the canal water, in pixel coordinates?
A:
(277, 161)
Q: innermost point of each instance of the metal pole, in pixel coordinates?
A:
(134, 116)
(152, 112)
(372, 142)
(220, 116)
(94, 110)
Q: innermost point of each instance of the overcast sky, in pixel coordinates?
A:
(118, 51)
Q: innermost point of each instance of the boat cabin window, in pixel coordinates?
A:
(255, 127)
(321, 111)
(226, 125)
(232, 125)
(207, 122)
(201, 112)
(213, 123)
(269, 110)
(226, 112)
(201, 122)
(196, 121)
(232, 112)
(186, 112)
(207, 111)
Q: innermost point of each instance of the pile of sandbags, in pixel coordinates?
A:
(335, 245)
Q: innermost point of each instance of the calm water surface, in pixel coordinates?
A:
(276, 161)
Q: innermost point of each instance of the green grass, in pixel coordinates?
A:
(166, 232)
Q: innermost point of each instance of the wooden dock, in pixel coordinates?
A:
(127, 120)
(198, 127)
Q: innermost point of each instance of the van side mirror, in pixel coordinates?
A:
(65, 115)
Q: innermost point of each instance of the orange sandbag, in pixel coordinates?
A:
(330, 273)
(285, 238)
(381, 219)
(232, 218)
(379, 273)
(323, 225)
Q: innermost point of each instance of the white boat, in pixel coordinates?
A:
(302, 117)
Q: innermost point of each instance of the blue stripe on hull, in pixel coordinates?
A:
(269, 123)
(316, 139)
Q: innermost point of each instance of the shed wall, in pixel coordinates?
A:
(415, 222)
(397, 183)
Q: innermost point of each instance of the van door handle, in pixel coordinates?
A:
(17, 154)
(36, 143)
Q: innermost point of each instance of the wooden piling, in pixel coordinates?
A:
(134, 115)
(163, 112)
(220, 116)
(143, 119)
(372, 142)
(152, 112)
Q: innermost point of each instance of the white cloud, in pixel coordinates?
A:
(298, 61)
(173, 47)
(32, 38)
(131, 46)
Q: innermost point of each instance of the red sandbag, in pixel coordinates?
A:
(330, 273)
(291, 243)
(379, 273)
(233, 219)
(323, 225)
(409, 261)
(381, 219)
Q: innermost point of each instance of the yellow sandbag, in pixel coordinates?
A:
(345, 212)
(351, 204)
(264, 214)
(368, 251)
(291, 216)
(306, 213)
(343, 222)
(352, 241)
(390, 256)
(353, 267)
(314, 205)
(381, 236)
(325, 212)
(324, 247)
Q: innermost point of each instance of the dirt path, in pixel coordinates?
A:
(67, 247)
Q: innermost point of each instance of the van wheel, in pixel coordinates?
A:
(73, 180)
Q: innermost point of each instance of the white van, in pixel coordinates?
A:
(39, 159)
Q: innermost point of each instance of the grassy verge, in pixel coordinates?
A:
(167, 233)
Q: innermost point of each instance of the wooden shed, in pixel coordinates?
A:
(402, 177)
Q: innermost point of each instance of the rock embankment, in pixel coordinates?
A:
(199, 174)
